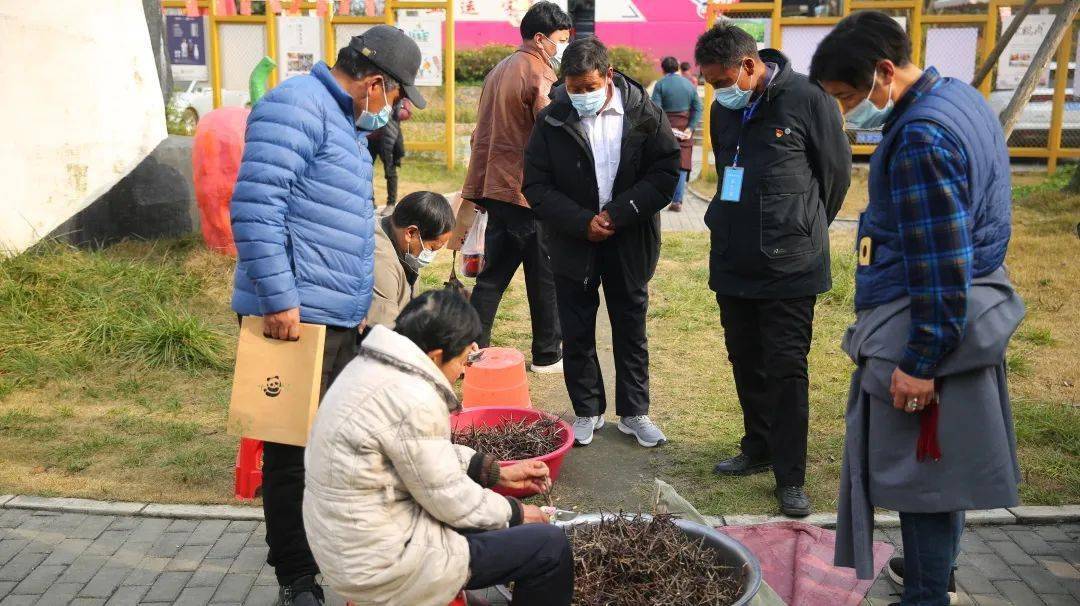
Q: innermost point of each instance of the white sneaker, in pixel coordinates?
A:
(550, 369)
(584, 428)
(642, 428)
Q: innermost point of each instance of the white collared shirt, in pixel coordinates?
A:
(605, 138)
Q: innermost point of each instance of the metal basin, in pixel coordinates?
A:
(729, 552)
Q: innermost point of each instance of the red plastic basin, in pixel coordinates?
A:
(491, 416)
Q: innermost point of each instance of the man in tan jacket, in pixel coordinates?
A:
(514, 93)
(405, 243)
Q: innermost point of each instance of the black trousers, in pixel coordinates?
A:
(768, 341)
(535, 557)
(390, 147)
(627, 305)
(283, 478)
(513, 238)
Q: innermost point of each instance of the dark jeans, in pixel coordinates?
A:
(513, 239)
(535, 557)
(283, 478)
(767, 342)
(931, 544)
(627, 305)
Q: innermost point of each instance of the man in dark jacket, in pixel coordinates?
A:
(600, 165)
(786, 165)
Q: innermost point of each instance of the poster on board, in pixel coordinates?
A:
(1021, 49)
(426, 31)
(186, 44)
(495, 10)
(299, 44)
(800, 42)
(953, 51)
(759, 29)
(1076, 72)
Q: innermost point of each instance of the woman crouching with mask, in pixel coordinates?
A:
(397, 514)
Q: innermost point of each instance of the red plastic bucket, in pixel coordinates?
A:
(496, 415)
(497, 378)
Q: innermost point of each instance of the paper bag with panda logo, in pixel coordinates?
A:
(276, 384)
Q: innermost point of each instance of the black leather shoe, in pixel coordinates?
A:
(793, 501)
(302, 592)
(741, 465)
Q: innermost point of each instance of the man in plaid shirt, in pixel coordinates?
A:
(935, 308)
(928, 185)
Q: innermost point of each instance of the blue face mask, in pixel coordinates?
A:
(733, 97)
(372, 122)
(868, 116)
(588, 104)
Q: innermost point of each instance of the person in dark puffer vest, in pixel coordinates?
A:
(929, 426)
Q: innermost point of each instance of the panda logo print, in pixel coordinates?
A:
(272, 387)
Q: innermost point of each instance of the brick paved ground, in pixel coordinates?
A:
(66, 558)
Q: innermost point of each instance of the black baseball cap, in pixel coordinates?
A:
(395, 53)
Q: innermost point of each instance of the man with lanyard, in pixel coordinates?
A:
(786, 165)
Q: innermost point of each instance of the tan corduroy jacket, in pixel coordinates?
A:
(392, 290)
(514, 92)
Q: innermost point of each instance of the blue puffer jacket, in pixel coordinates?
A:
(302, 213)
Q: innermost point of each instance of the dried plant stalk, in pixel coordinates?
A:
(622, 561)
(513, 440)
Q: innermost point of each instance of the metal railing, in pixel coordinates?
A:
(233, 61)
(1051, 140)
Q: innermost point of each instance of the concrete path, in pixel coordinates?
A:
(53, 558)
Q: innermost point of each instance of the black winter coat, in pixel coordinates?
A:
(560, 184)
(774, 242)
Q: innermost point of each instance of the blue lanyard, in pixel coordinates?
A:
(747, 114)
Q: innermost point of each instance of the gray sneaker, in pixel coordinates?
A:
(584, 427)
(642, 428)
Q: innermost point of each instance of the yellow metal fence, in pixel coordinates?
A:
(1051, 141)
(251, 37)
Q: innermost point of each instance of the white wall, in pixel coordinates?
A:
(81, 107)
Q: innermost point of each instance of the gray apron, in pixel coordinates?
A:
(978, 467)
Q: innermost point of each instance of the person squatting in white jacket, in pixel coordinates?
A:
(397, 514)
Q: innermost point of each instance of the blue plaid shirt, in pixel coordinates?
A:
(929, 194)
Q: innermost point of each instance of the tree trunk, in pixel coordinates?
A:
(155, 24)
(1062, 24)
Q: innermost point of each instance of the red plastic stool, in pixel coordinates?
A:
(458, 601)
(249, 464)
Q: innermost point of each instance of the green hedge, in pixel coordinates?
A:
(474, 63)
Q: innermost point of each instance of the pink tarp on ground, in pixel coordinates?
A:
(796, 561)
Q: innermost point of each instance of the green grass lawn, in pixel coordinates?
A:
(115, 368)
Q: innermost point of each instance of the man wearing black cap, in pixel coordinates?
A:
(304, 224)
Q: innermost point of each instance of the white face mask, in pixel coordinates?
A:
(560, 48)
(422, 260)
(868, 116)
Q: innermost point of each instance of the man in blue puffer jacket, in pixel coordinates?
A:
(303, 222)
